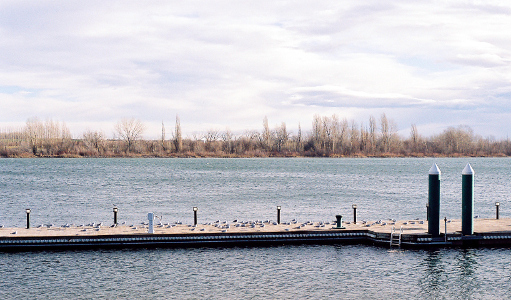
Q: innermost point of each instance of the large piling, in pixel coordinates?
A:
(467, 201)
(434, 201)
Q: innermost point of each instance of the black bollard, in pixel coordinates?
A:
(427, 211)
(195, 209)
(28, 217)
(278, 214)
(339, 222)
(445, 222)
(115, 215)
(354, 206)
(497, 206)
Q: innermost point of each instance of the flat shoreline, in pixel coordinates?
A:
(487, 233)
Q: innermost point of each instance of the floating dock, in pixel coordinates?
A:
(404, 234)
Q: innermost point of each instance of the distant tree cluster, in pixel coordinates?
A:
(330, 136)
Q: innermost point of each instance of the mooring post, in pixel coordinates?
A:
(434, 201)
(278, 214)
(427, 211)
(445, 222)
(28, 217)
(195, 209)
(497, 206)
(115, 215)
(467, 201)
(150, 217)
(354, 206)
(339, 222)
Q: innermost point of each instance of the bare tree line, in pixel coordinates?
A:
(330, 136)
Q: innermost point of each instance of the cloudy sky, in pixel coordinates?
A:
(227, 64)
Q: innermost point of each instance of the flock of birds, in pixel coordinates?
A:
(225, 225)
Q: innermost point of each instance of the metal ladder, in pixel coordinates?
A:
(395, 240)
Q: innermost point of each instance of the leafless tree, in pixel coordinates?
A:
(299, 139)
(372, 134)
(281, 137)
(94, 140)
(163, 142)
(227, 138)
(354, 138)
(178, 138)
(130, 130)
(266, 135)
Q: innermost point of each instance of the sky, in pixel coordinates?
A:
(227, 64)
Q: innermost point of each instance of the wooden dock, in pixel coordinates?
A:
(487, 233)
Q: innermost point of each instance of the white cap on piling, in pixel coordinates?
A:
(468, 170)
(434, 170)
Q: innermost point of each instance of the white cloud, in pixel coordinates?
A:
(229, 63)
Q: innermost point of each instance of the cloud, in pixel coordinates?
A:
(229, 63)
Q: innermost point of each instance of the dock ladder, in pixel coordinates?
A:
(395, 240)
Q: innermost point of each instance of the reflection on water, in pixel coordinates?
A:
(431, 282)
(467, 265)
(287, 272)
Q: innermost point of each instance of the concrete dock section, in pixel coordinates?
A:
(406, 234)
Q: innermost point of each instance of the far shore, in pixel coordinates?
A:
(252, 155)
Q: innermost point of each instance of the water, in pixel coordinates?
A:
(84, 190)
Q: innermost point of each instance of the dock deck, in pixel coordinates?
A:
(487, 233)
